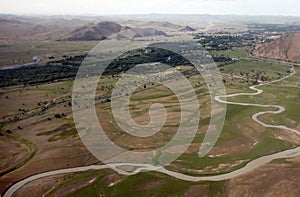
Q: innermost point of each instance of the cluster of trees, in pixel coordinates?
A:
(68, 67)
(222, 60)
(256, 75)
(35, 74)
(219, 42)
(142, 56)
(225, 41)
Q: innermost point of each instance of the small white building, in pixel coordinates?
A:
(35, 59)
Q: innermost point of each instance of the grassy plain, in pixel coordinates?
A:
(57, 144)
(21, 52)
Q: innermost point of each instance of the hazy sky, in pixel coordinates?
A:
(111, 7)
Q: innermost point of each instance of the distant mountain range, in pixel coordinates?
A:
(286, 47)
(162, 24)
(68, 27)
(77, 29)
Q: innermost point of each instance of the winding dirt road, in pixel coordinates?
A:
(142, 167)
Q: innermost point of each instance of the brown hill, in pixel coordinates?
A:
(104, 30)
(287, 47)
(98, 31)
(187, 29)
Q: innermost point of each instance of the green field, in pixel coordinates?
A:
(237, 52)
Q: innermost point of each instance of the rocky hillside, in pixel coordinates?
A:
(287, 47)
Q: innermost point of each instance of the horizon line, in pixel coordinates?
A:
(145, 14)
